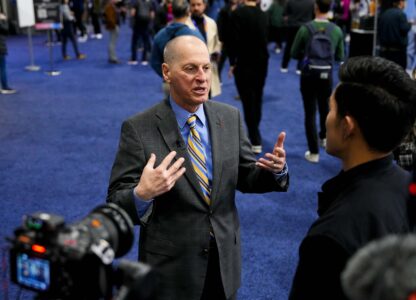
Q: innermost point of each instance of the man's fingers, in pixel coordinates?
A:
(179, 174)
(175, 167)
(280, 140)
(167, 160)
(151, 161)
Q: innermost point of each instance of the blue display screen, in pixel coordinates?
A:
(33, 272)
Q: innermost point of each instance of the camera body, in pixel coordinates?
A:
(70, 262)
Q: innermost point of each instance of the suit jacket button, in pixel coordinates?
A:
(205, 250)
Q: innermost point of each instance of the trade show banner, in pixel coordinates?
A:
(47, 14)
(25, 12)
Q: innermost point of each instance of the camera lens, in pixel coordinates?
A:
(112, 224)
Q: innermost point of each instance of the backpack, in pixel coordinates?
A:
(318, 53)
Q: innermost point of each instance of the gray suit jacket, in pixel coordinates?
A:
(176, 238)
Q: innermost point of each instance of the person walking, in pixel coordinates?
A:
(4, 30)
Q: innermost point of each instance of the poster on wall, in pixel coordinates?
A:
(25, 13)
(47, 14)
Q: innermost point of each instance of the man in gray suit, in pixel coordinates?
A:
(190, 227)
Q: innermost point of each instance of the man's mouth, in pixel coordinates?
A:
(200, 90)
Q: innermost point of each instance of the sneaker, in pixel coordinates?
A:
(284, 70)
(277, 50)
(67, 57)
(83, 39)
(322, 143)
(81, 56)
(257, 149)
(113, 61)
(298, 72)
(98, 36)
(8, 91)
(312, 157)
(144, 63)
(132, 62)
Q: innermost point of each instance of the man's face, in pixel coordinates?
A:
(189, 75)
(197, 7)
(334, 132)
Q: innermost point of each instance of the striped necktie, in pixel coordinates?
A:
(197, 153)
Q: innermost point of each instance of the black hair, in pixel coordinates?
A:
(180, 8)
(323, 5)
(380, 96)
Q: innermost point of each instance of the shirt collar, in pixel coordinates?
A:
(182, 115)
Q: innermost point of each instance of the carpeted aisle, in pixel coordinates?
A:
(58, 138)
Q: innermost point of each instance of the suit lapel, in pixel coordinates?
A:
(175, 142)
(216, 127)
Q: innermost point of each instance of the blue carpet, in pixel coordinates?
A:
(59, 136)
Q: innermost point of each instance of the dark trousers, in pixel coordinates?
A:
(95, 20)
(250, 83)
(78, 14)
(399, 56)
(3, 74)
(68, 33)
(276, 36)
(290, 37)
(140, 30)
(315, 92)
(223, 58)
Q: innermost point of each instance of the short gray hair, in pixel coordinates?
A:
(384, 269)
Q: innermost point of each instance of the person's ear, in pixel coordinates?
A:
(349, 125)
(166, 72)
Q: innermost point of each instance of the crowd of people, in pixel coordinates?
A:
(180, 162)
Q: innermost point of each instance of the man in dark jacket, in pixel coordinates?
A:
(4, 28)
(224, 34)
(371, 110)
(392, 32)
(297, 13)
(248, 62)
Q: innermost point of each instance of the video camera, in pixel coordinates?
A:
(76, 261)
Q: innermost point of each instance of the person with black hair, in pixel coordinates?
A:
(392, 32)
(384, 269)
(249, 58)
(316, 71)
(296, 13)
(371, 110)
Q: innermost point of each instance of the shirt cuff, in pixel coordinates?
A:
(143, 208)
(282, 174)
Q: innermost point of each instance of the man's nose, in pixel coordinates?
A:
(201, 74)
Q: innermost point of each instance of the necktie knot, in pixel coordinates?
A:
(191, 121)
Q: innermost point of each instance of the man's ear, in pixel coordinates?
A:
(166, 72)
(349, 126)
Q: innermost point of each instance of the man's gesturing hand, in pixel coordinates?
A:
(275, 162)
(159, 180)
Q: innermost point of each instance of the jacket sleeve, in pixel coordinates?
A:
(126, 171)
(299, 44)
(252, 179)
